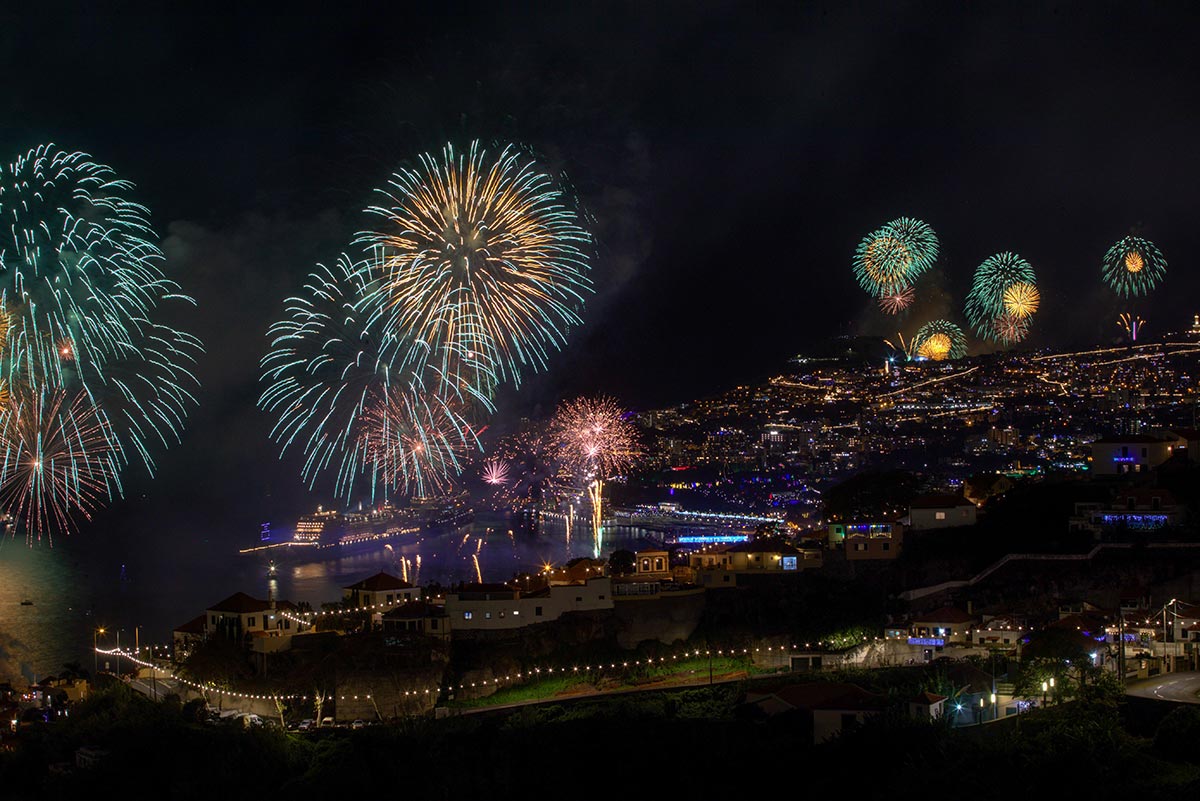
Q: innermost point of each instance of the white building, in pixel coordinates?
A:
(496, 607)
(940, 511)
(1135, 453)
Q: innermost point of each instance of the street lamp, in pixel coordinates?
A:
(95, 657)
(119, 653)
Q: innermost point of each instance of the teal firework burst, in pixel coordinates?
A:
(82, 290)
(1133, 267)
(1004, 283)
(891, 258)
(343, 403)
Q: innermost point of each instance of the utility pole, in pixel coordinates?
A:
(1164, 662)
(1121, 643)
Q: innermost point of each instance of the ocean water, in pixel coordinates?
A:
(139, 586)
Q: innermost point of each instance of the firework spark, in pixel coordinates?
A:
(344, 404)
(414, 441)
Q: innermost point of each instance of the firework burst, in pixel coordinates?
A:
(1133, 267)
(898, 301)
(341, 401)
(1003, 284)
(495, 472)
(414, 441)
(60, 460)
(890, 258)
(1008, 329)
(938, 341)
(595, 442)
(81, 285)
(482, 265)
(1021, 300)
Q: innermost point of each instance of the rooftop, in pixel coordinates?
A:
(380, 582)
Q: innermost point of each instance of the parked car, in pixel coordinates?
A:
(358, 724)
(327, 721)
(305, 724)
(248, 719)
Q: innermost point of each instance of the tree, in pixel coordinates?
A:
(1058, 654)
(621, 562)
(217, 662)
(1178, 733)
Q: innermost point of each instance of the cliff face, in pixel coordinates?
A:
(666, 618)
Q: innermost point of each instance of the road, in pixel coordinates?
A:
(1180, 687)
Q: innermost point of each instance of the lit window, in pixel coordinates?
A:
(516, 612)
(487, 615)
(467, 615)
(939, 515)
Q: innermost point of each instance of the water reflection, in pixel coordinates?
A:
(159, 583)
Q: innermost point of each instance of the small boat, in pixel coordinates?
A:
(27, 602)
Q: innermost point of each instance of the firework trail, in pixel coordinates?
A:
(1132, 325)
(595, 442)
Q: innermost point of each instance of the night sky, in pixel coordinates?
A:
(731, 155)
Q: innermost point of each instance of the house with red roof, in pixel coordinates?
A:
(946, 623)
(381, 590)
(831, 708)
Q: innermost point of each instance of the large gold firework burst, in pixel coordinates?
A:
(935, 348)
(1021, 299)
(1134, 262)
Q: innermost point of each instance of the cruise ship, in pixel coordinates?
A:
(329, 532)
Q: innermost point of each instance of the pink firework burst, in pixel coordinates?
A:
(1010, 329)
(495, 472)
(898, 301)
(594, 438)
